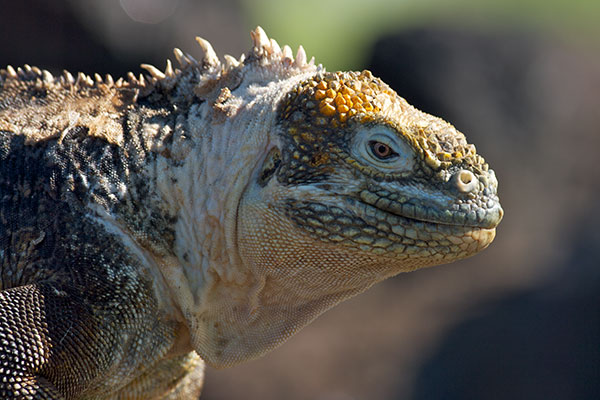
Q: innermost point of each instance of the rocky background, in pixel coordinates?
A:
(520, 320)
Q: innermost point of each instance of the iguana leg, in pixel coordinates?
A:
(56, 344)
(26, 344)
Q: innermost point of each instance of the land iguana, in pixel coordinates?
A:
(206, 213)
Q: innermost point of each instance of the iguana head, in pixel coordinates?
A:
(347, 185)
(361, 169)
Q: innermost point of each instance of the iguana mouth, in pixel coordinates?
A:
(484, 215)
(378, 230)
(403, 225)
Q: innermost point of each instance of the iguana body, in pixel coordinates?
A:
(208, 213)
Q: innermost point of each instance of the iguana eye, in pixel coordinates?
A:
(382, 147)
(381, 150)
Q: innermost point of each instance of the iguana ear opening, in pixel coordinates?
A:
(270, 165)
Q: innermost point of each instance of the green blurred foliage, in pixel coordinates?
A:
(338, 33)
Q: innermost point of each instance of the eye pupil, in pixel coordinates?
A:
(381, 150)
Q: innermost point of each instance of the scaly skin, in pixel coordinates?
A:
(207, 213)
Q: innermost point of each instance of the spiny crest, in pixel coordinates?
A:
(331, 101)
(265, 53)
(66, 79)
(268, 51)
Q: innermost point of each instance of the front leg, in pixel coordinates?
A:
(57, 343)
(39, 326)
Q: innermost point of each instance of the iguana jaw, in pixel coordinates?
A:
(355, 224)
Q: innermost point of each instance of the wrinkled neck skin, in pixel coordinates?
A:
(232, 305)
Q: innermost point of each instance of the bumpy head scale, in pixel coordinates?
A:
(337, 100)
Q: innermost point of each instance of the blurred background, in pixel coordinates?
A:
(520, 78)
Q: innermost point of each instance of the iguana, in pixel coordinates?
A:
(207, 213)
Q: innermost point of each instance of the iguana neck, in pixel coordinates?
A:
(215, 149)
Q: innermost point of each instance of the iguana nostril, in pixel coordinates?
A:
(465, 181)
(466, 177)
